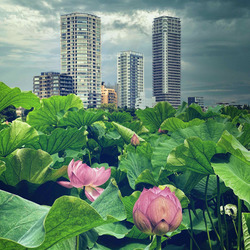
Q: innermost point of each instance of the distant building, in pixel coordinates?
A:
(130, 77)
(108, 95)
(166, 41)
(142, 102)
(118, 92)
(52, 83)
(81, 55)
(197, 100)
(20, 111)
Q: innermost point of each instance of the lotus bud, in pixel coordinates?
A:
(135, 140)
(157, 211)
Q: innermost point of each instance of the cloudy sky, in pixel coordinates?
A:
(215, 41)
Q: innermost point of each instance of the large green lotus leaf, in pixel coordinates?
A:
(246, 229)
(208, 131)
(152, 118)
(14, 96)
(232, 111)
(68, 217)
(173, 123)
(187, 180)
(128, 244)
(30, 165)
(143, 148)
(135, 233)
(20, 219)
(129, 202)
(200, 189)
(197, 220)
(134, 165)
(146, 176)
(120, 117)
(181, 109)
(60, 139)
(125, 133)
(244, 138)
(65, 245)
(233, 146)
(86, 240)
(195, 111)
(194, 154)
(136, 126)
(80, 118)
(15, 136)
(116, 229)
(51, 111)
(244, 118)
(235, 173)
(2, 166)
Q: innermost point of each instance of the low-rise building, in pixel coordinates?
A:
(108, 95)
(52, 83)
(197, 99)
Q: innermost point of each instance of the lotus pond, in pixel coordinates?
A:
(75, 178)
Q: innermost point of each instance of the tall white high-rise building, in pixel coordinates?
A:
(81, 55)
(130, 77)
(167, 60)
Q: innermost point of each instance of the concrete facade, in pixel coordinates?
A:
(166, 42)
(130, 77)
(52, 83)
(81, 55)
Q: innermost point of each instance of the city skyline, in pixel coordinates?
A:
(215, 42)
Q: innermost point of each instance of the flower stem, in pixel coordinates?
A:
(158, 242)
(191, 234)
(239, 225)
(218, 212)
(77, 242)
(225, 221)
(208, 213)
(89, 159)
(208, 235)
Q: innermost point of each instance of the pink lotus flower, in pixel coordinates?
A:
(135, 140)
(157, 211)
(81, 175)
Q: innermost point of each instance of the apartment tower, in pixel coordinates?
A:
(81, 55)
(130, 77)
(167, 60)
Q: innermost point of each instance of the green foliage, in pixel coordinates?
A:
(126, 133)
(59, 140)
(80, 118)
(152, 118)
(246, 229)
(52, 110)
(14, 96)
(48, 226)
(15, 136)
(119, 117)
(30, 165)
(202, 156)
